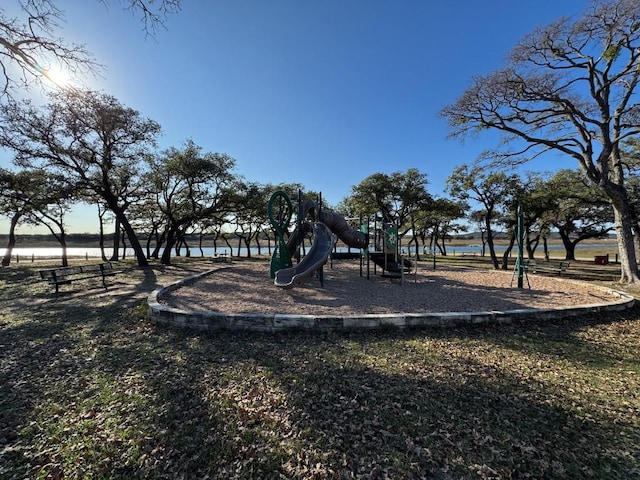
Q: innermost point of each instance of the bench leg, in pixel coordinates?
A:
(55, 281)
(104, 283)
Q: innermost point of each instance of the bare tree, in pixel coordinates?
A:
(32, 47)
(570, 88)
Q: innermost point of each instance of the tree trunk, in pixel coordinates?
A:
(492, 249)
(200, 240)
(160, 239)
(226, 240)
(166, 253)
(626, 248)
(123, 222)
(12, 240)
(636, 236)
(148, 244)
(623, 221)
(419, 238)
(545, 248)
(101, 237)
(116, 241)
(623, 226)
(507, 252)
(124, 245)
(187, 248)
(443, 250)
(531, 246)
(63, 244)
(133, 239)
(268, 237)
(569, 246)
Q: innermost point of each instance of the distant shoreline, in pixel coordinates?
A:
(49, 241)
(88, 240)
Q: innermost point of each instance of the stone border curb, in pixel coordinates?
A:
(207, 320)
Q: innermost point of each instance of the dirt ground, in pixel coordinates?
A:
(245, 287)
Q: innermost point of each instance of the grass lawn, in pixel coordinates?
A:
(92, 389)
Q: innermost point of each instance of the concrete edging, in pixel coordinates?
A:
(206, 320)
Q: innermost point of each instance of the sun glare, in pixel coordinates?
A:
(58, 76)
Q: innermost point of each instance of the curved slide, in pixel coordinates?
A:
(338, 225)
(315, 258)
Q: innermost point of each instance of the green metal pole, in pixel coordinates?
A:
(520, 234)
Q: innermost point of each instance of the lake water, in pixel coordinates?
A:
(86, 252)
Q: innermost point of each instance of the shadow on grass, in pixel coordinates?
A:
(615, 345)
(42, 340)
(370, 404)
(92, 389)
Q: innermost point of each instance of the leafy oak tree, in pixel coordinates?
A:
(15, 203)
(399, 197)
(492, 190)
(569, 88)
(577, 209)
(52, 198)
(249, 217)
(535, 202)
(190, 186)
(437, 221)
(89, 137)
(36, 197)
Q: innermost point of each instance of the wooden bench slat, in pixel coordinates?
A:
(66, 275)
(547, 267)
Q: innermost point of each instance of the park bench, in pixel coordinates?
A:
(66, 275)
(546, 267)
(221, 258)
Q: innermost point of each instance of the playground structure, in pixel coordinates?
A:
(480, 295)
(325, 227)
(387, 251)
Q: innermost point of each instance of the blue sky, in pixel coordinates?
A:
(323, 93)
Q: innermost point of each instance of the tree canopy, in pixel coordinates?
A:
(491, 189)
(569, 87)
(190, 186)
(89, 137)
(396, 196)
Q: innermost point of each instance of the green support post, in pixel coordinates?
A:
(280, 210)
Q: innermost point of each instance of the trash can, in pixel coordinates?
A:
(601, 259)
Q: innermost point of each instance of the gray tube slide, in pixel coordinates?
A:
(339, 226)
(313, 260)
